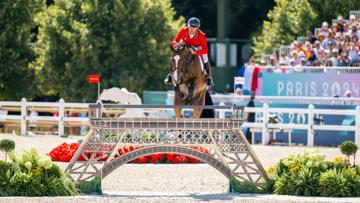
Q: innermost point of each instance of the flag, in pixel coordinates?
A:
(251, 77)
(239, 79)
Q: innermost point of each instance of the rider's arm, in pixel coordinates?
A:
(178, 36)
(204, 46)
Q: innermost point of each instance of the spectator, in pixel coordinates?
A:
(238, 91)
(328, 63)
(310, 37)
(344, 60)
(250, 116)
(334, 59)
(338, 46)
(340, 23)
(325, 29)
(352, 20)
(313, 57)
(347, 94)
(353, 55)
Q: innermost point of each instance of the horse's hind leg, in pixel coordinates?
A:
(199, 101)
(178, 113)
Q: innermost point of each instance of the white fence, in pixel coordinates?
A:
(304, 114)
(26, 117)
(261, 123)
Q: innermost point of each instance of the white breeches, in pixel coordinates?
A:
(204, 56)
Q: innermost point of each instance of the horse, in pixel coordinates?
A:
(188, 80)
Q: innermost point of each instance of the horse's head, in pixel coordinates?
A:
(180, 61)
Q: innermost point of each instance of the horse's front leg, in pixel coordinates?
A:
(197, 112)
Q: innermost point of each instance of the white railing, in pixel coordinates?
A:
(262, 115)
(306, 115)
(356, 14)
(25, 118)
(310, 69)
(302, 39)
(285, 50)
(235, 99)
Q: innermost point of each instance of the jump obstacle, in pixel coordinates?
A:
(229, 151)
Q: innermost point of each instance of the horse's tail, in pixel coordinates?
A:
(208, 113)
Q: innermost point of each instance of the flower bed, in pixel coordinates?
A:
(308, 174)
(32, 175)
(65, 152)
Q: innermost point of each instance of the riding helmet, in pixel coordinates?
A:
(194, 22)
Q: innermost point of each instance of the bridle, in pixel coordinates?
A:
(184, 65)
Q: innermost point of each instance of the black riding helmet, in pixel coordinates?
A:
(194, 22)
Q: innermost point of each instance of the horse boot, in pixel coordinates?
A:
(209, 80)
(168, 79)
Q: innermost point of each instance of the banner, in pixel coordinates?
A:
(310, 84)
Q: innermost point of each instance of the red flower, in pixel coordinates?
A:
(142, 159)
(170, 157)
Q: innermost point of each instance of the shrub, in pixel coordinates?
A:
(32, 175)
(244, 186)
(301, 183)
(353, 178)
(7, 145)
(334, 184)
(93, 186)
(339, 163)
(298, 174)
(349, 148)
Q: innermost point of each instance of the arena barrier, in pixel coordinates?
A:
(296, 118)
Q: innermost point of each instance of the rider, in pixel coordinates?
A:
(193, 36)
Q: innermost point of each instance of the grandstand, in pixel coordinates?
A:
(332, 45)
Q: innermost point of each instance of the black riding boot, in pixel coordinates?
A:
(209, 80)
(168, 79)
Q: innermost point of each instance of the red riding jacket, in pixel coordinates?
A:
(198, 40)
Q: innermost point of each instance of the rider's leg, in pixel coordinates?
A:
(209, 80)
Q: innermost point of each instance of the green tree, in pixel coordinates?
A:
(7, 145)
(17, 79)
(287, 20)
(348, 148)
(330, 9)
(245, 16)
(125, 41)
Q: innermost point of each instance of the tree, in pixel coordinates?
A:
(205, 10)
(330, 9)
(125, 41)
(348, 148)
(245, 16)
(287, 20)
(17, 79)
(7, 145)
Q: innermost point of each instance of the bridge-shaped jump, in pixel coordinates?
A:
(229, 151)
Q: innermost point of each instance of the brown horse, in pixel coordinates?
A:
(188, 79)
